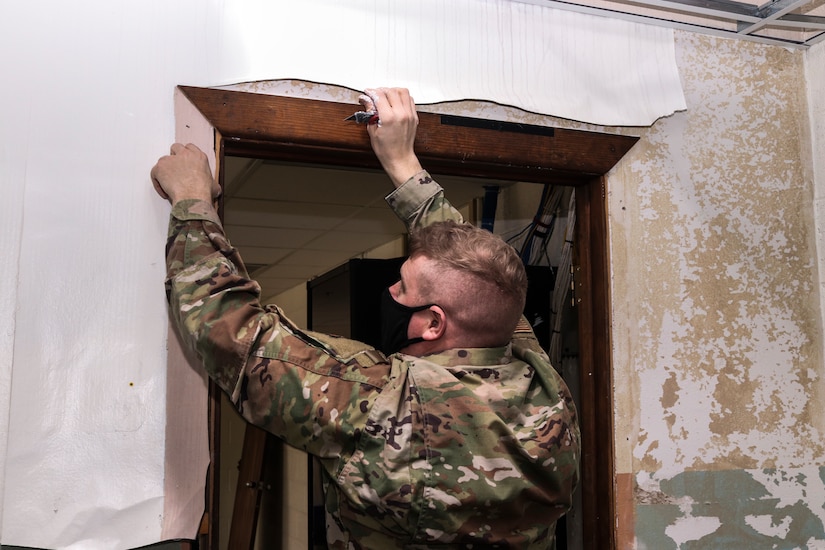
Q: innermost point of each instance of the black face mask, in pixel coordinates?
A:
(395, 320)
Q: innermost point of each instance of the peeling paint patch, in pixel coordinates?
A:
(716, 293)
(720, 285)
(765, 525)
(687, 529)
(734, 509)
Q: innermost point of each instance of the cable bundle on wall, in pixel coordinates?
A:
(537, 234)
(535, 239)
(562, 284)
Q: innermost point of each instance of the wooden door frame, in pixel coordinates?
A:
(303, 130)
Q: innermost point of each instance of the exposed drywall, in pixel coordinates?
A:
(717, 341)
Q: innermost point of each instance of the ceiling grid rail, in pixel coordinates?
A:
(717, 17)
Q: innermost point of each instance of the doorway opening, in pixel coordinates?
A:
(315, 236)
(309, 132)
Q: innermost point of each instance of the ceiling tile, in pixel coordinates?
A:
(277, 237)
(295, 222)
(355, 243)
(321, 262)
(277, 213)
(314, 185)
(279, 271)
(256, 255)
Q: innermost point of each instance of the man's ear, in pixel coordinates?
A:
(436, 323)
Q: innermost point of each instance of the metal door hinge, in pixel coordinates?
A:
(258, 485)
(575, 285)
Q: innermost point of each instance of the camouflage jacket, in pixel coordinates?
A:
(469, 448)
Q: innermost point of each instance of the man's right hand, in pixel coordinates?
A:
(393, 137)
(185, 174)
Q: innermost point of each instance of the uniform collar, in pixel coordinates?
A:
(481, 357)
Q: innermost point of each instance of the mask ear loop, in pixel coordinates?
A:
(395, 322)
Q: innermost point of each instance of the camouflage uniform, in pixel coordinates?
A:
(469, 448)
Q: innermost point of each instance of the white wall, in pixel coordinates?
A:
(12, 178)
(85, 110)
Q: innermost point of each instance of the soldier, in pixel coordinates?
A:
(458, 434)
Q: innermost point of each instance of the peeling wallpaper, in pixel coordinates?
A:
(717, 340)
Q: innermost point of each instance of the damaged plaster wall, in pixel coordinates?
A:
(716, 321)
(815, 75)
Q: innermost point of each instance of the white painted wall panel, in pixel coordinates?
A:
(88, 96)
(13, 147)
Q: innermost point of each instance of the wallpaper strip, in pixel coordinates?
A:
(543, 60)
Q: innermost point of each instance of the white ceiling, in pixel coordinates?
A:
(294, 222)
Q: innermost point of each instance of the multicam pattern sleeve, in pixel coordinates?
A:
(277, 375)
(420, 202)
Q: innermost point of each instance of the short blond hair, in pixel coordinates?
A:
(476, 277)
